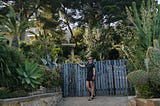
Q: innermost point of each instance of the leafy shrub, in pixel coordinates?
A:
(51, 64)
(52, 78)
(144, 91)
(30, 75)
(4, 93)
(10, 59)
(7, 93)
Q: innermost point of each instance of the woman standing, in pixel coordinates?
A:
(90, 76)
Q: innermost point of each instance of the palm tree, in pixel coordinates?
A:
(11, 27)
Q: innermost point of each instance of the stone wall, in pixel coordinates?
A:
(148, 102)
(144, 102)
(47, 99)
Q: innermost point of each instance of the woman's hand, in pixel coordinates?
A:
(81, 65)
(93, 78)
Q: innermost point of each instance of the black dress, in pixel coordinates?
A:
(90, 67)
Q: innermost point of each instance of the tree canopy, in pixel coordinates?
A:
(56, 18)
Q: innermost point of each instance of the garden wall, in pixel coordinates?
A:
(148, 102)
(47, 99)
(144, 102)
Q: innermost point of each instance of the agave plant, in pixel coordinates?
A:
(51, 64)
(30, 75)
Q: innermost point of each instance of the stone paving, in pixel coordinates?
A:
(98, 101)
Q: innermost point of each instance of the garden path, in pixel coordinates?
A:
(98, 101)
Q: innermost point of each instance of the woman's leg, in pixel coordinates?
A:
(92, 87)
(88, 86)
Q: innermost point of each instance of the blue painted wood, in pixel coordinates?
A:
(103, 78)
(107, 77)
(111, 79)
(98, 79)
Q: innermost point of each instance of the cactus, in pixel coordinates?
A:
(150, 78)
(147, 23)
(153, 55)
(138, 77)
(140, 80)
(153, 65)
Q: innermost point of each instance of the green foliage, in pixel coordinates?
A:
(146, 22)
(80, 45)
(7, 93)
(134, 54)
(90, 38)
(154, 76)
(126, 42)
(3, 41)
(144, 91)
(52, 78)
(26, 49)
(153, 63)
(41, 46)
(98, 42)
(30, 75)
(10, 59)
(51, 64)
(29, 8)
(11, 27)
(138, 77)
(150, 78)
(153, 56)
(4, 93)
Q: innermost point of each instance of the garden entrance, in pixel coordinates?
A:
(111, 79)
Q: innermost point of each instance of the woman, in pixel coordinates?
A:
(90, 76)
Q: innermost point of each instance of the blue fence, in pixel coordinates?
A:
(111, 79)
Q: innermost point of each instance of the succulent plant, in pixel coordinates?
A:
(30, 75)
(146, 81)
(153, 64)
(138, 77)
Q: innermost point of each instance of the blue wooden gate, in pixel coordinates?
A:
(111, 79)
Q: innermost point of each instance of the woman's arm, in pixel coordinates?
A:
(94, 73)
(81, 65)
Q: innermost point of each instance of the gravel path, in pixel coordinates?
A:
(98, 101)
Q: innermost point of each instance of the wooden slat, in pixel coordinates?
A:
(107, 77)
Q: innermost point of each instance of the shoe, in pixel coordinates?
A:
(94, 95)
(90, 98)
